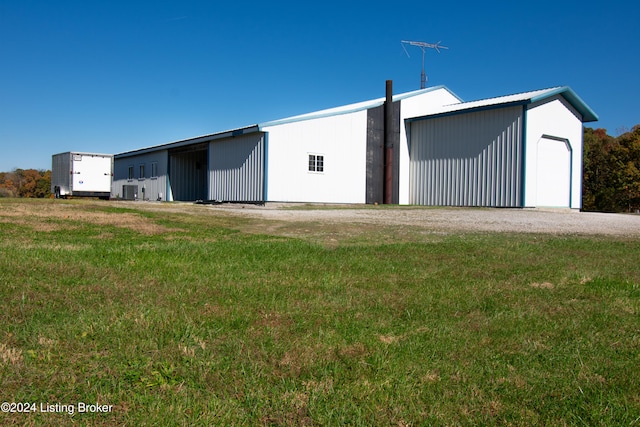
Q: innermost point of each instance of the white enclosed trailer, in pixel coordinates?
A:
(81, 175)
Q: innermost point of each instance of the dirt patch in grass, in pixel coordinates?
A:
(387, 339)
(299, 358)
(543, 285)
(56, 216)
(10, 355)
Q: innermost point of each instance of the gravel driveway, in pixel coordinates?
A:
(453, 219)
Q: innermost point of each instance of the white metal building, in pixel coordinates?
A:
(521, 150)
(423, 147)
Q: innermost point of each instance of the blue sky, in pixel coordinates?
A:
(112, 76)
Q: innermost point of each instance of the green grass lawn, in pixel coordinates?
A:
(188, 319)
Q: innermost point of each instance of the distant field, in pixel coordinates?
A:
(167, 314)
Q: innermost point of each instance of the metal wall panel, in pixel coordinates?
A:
(553, 118)
(236, 169)
(469, 159)
(375, 155)
(155, 186)
(341, 139)
(375, 184)
(60, 173)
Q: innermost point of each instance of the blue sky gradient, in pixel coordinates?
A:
(113, 76)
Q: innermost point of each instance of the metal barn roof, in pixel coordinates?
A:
(588, 115)
(190, 141)
(344, 109)
(352, 108)
(515, 99)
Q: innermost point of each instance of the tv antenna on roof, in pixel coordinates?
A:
(423, 46)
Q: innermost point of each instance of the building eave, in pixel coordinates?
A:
(352, 108)
(588, 115)
(190, 141)
(514, 100)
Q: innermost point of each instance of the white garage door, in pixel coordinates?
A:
(554, 173)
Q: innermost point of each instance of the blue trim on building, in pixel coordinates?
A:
(265, 169)
(523, 176)
(570, 171)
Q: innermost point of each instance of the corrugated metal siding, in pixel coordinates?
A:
(155, 186)
(471, 159)
(60, 176)
(237, 169)
(375, 155)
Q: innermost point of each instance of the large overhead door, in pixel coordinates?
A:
(470, 159)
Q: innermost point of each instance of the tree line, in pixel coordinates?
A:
(25, 183)
(611, 174)
(611, 171)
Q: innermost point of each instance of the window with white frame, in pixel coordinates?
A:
(316, 163)
(154, 169)
(141, 171)
(131, 172)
